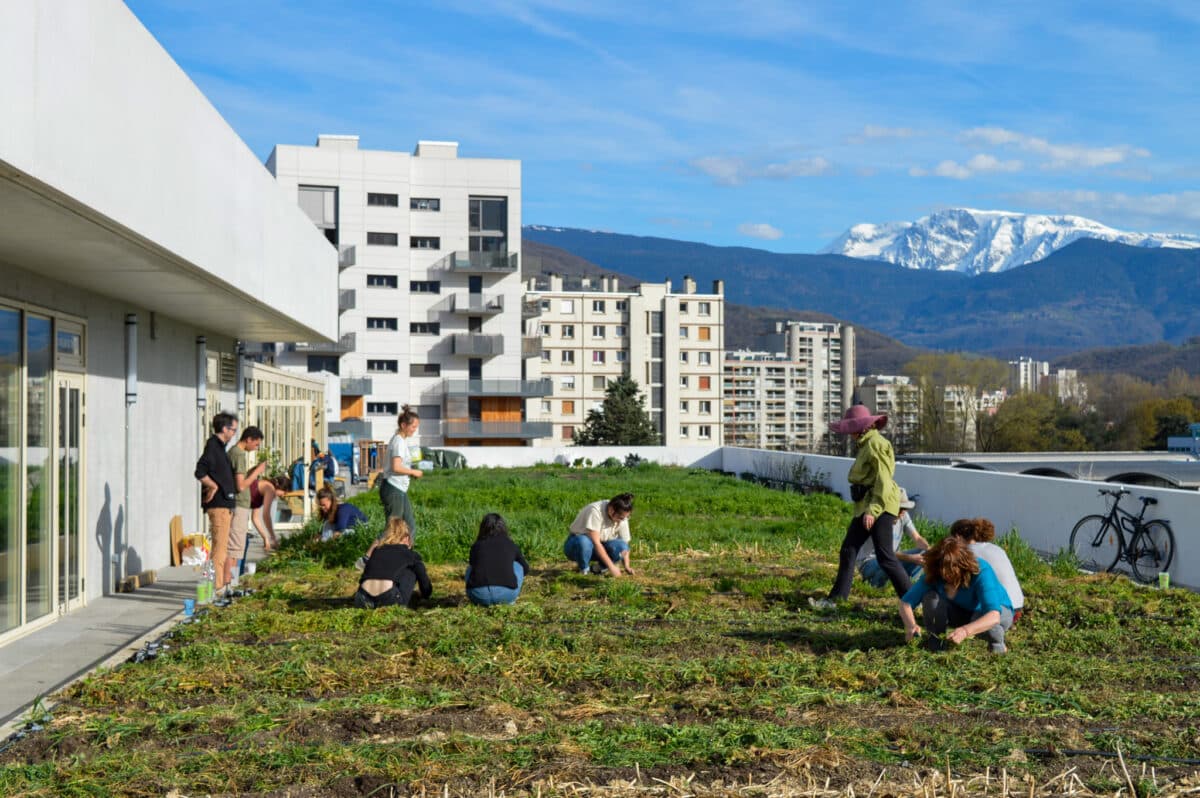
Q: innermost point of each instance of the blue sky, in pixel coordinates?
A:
(760, 123)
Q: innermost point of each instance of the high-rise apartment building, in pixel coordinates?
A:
(785, 398)
(1025, 374)
(900, 399)
(430, 290)
(670, 343)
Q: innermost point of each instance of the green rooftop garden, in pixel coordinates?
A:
(707, 674)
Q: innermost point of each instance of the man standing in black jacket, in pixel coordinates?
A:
(215, 473)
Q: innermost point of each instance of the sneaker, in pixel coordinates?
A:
(998, 648)
(585, 571)
(822, 604)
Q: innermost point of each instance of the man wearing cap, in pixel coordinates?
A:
(868, 565)
(876, 504)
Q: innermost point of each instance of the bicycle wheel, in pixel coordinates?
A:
(1153, 549)
(1096, 543)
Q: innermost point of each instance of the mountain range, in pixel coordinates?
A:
(977, 242)
(1091, 293)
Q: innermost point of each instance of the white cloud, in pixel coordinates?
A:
(733, 171)
(979, 164)
(878, 132)
(952, 169)
(760, 230)
(990, 163)
(1057, 156)
(1178, 212)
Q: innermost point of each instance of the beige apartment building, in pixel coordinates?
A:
(900, 399)
(785, 398)
(670, 343)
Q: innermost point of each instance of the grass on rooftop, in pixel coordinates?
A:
(707, 674)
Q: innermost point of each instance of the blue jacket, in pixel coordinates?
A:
(982, 594)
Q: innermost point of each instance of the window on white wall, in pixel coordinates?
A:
(568, 356)
(597, 330)
(567, 306)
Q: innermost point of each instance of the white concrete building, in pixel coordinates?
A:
(900, 399)
(139, 236)
(669, 343)
(429, 289)
(1026, 374)
(784, 398)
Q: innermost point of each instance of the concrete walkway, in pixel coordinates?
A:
(104, 633)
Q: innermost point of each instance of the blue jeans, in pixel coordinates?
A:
(491, 595)
(580, 550)
(875, 576)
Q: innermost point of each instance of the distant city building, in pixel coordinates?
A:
(960, 408)
(429, 288)
(670, 343)
(786, 397)
(990, 401)
(900, 399)
(1025, 374)
(1064, 385)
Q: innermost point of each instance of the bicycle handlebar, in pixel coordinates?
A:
(1116, 493)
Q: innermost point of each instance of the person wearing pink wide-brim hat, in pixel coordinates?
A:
(876, 503)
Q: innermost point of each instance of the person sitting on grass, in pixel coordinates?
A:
(336, 518)
(979, 534)
(392, 572)
(496, 568)
(601, 532)
(958, 589)
(910, 559)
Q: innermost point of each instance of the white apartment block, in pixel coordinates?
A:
(900, 399)
(786, 399)
(669, 343)
(430, 289)
(1025, 374)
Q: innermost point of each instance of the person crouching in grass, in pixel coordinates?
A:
(496, 568)
(393, 571)
(956, 588)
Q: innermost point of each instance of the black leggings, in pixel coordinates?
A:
(881, 535)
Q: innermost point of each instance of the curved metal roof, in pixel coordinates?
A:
(1165, 473)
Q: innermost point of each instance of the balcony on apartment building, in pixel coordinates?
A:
(340, 346)
(475, 428)
(531, 308)
(477, 344)
(347, 257)
(477, 304)
(479, 262)
(356, 386)
(531, 346)
(346, 299)
(522, 388)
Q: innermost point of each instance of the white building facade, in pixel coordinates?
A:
(900, 399)
(670, 343)
(429, 288)
(139, 239)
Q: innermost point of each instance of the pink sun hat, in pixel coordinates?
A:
(858, 419)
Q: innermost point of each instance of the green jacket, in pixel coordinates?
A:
(875, 467)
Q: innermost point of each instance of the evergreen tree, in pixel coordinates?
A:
(621, 420)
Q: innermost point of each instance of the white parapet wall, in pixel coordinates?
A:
(516, 456)
(1042, 510)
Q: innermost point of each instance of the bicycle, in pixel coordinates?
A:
(1098, 541)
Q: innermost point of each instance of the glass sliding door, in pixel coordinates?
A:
(10, 469)
(39, 479)
(70, 499)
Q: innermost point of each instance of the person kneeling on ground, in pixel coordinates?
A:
(910, 559)
(958, 589)
(496, 568)
(392, 572)
(601, 532)
(336, 517)
(979, 534)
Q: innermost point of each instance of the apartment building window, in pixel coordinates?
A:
(705, 358)
(383, 200)
(425, 286)
(383, 239)
(622, 305)
(599, 383)
(568, 406)
(683, 381)
(655, 319)
(568, 331)
(568, 432)
(705, 383)
(383, 281)
(683, 357)
(545, 405)
(487, 224)
(384, 366)
(705, 407)
(424, 242)
(683, 332)
(382, 323)
(683, 405)
(704, 333)
(425, 328)
(597, 330)
(568, 356)
(683, 307)
(545, 355)
(567, 383)
(317, 363)
(382, 408)
(622, 356)
(424, 370)
(320, 204)
(598, 356)
(683, 431)
(567, 306)
(544, 305)
(620, 331)
(597, 306)
(704, 432)
(704, 308)
(544, 330)
(424, 204)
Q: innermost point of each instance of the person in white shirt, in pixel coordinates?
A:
(398, 469)
(979, 533)
(600, 532)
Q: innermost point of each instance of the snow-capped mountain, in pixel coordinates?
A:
(973, 241)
